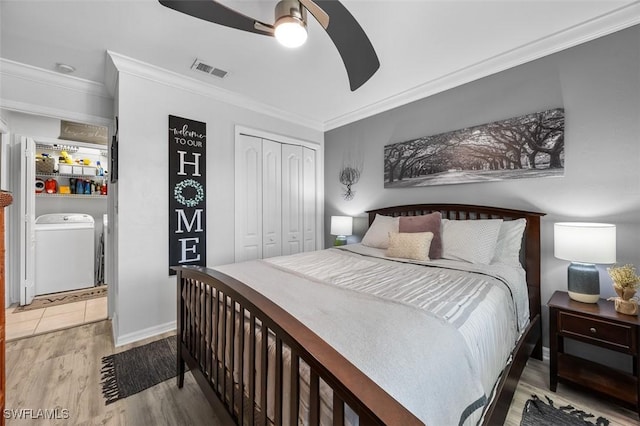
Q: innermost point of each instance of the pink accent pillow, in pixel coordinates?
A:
(426, 223)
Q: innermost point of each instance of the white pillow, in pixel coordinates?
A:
(378, 233)
(472, 241)
(409, 245)
(509, 242)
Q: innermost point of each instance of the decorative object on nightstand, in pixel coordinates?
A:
(625, 284)
(584, 244)
(341, 226)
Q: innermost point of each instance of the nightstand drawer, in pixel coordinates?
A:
(619, 336)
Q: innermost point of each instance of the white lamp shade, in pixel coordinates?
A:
(585, 242)
(341, 225)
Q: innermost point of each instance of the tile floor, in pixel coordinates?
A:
(38, 321)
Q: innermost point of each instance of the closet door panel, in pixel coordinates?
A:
(309, 198)
(271, 198)
(292, 227)
(248, 195)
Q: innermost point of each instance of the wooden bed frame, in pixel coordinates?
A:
(211, 306)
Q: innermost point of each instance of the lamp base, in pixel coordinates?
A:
(583, 282)
(341, 240)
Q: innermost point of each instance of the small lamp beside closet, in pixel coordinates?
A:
(341, 226)
(584, 244)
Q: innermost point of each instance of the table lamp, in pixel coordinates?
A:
(584, 244)
(341, 226)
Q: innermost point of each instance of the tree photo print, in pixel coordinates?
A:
(528, 146)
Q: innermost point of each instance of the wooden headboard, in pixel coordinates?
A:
(529, 255)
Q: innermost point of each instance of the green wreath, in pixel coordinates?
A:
(191, 202)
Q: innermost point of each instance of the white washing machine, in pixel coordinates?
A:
(64, 252)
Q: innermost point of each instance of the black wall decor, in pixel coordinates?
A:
(113, 169)
(349, 176)
(528, 146)
(187, 192)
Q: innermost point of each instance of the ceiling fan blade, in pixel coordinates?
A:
(354, 46)
(212, 11)
(317, 12)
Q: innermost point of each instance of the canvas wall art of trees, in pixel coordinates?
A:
(528, 146)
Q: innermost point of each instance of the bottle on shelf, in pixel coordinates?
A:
(99, 169)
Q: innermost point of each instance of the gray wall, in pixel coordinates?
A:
(598, 84)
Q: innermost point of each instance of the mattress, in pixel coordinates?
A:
(435, 335)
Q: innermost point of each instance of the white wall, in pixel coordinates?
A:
(47, 93)
(597, 83)
(146, 302)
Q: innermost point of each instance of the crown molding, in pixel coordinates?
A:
(600, 26)
(52, 78)
(169, 78)
(29, 108)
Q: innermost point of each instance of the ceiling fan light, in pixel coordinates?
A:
(290, 31)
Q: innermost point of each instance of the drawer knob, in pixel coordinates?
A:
(593, 330)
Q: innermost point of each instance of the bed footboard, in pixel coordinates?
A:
(253, 358)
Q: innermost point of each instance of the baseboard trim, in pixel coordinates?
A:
(140, 334)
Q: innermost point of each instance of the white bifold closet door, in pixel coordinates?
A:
(271, 198)
(275, 196)
(309, 198)
(248, 195)
(292, 199)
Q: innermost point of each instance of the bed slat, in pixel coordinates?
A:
(294, 388)
(223, 348)
(264, 369)
(278, 383)
(252, 369)
(232, 355)
(241, 352)
(314, 399)
(338, 410)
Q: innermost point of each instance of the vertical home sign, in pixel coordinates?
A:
(187, 192)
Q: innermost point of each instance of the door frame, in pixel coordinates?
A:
(27, 219)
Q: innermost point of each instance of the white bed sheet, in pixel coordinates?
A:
(441, 365)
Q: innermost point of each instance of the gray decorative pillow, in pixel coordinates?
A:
(472, 241)
(378, 233)
(509, 242)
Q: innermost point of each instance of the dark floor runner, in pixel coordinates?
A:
(127, 373)
(537, 413)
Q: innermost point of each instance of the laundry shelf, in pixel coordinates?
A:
(45, 195)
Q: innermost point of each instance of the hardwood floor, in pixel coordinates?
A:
(535, 380)
(62, 370)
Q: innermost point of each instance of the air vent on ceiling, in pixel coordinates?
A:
(199, 65)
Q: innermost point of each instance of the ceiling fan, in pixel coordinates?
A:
(290, 28)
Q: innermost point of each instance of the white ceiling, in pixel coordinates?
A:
(424, 46)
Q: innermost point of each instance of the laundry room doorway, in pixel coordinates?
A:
(58, 268)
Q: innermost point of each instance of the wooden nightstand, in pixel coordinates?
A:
(600, 325)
